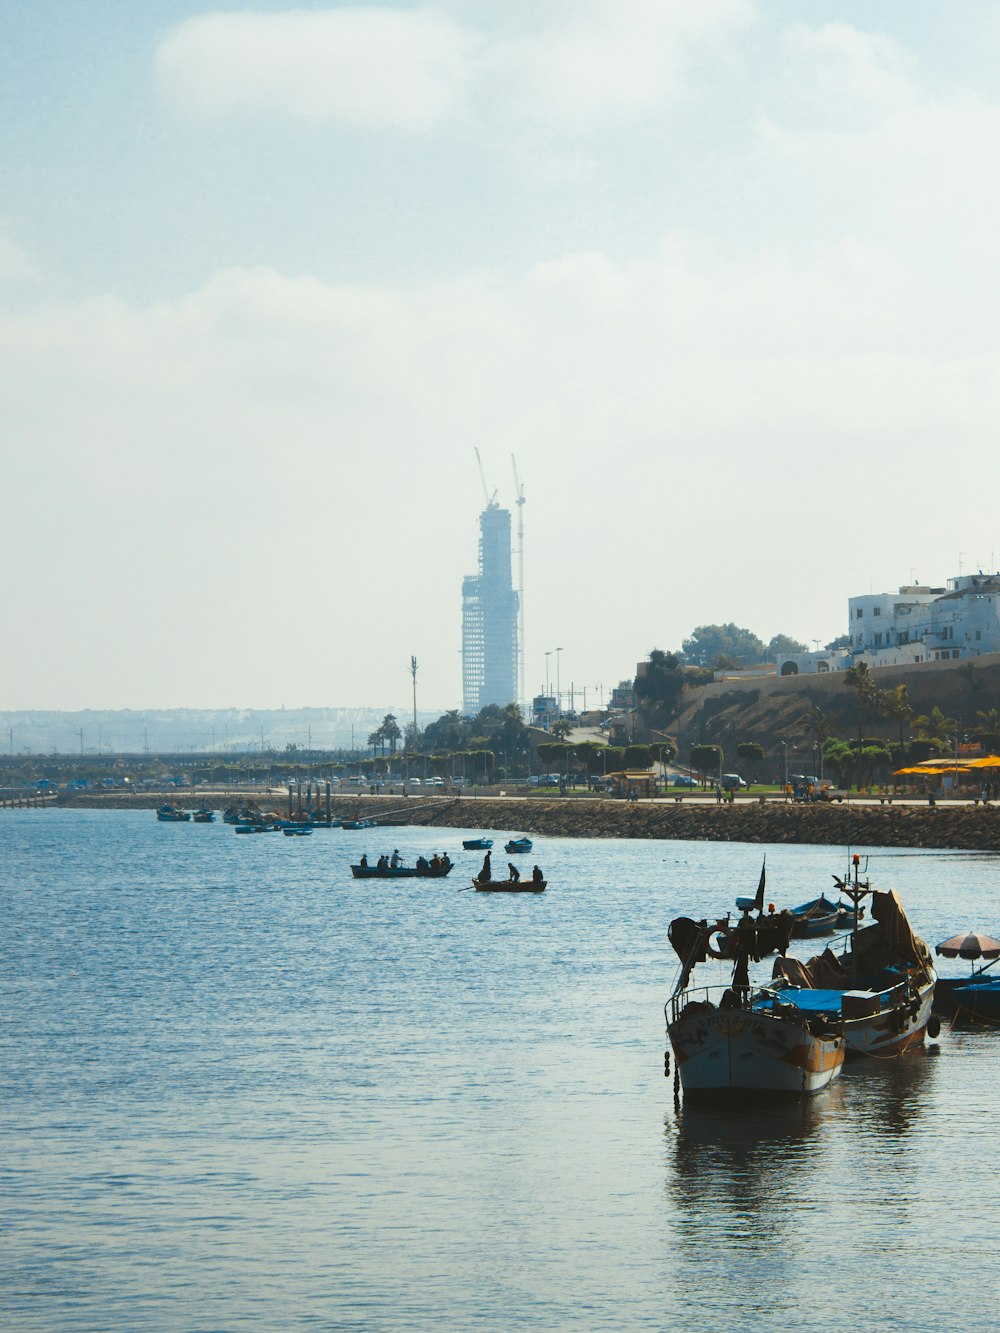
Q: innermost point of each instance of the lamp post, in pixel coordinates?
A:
(548, 654)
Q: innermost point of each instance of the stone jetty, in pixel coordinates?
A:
(958, 826)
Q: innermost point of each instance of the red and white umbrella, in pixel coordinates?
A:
(969, 946)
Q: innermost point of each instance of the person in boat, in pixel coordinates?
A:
(435, 864)
(423, 865)
(382, 863)
(445, 862)
(536, 875)
(364, 858)
(486, 874)
(394, 862)
(513, 874)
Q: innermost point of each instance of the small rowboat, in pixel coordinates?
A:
(517, 845)
(477, 844)
(510, 885)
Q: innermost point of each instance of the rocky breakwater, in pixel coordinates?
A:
(960, 827)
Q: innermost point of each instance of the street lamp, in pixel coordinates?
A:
(547, 656)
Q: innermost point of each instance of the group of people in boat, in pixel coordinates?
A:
(437, 865)
(485, 875)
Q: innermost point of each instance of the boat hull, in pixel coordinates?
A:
(722, 1054)
(398, 872)
(510, 886)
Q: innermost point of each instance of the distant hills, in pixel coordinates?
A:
(197, 730)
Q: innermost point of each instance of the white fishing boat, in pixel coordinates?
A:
(878, 980)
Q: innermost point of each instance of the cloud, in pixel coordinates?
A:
(412, 69)
(405, 68)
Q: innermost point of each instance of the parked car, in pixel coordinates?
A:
(434, 782)
(732, 782)
(683, 780)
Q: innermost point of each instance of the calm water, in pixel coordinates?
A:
(241, 1089)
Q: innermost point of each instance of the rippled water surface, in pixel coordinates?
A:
(241, 1089)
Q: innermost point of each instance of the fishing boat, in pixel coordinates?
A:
(737, 1042)
(172, 814)
(515, 845)
(436, 868)
(509, 885)
(977, 995)
(203, 815)
(358, 823)
(819, 916)
(879, 981)
(297, 831)
(477, 844)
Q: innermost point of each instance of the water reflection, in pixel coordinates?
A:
(739, 1166)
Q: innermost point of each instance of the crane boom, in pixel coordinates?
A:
(482, 475)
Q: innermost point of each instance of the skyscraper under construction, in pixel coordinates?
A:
(489, 619)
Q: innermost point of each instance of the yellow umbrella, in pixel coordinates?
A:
(988, 761)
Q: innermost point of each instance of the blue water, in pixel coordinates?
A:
(241, 1090)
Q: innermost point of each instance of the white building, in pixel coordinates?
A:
(917, 624)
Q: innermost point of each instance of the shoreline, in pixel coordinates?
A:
(973, 828)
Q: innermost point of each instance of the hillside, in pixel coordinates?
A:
(776, 708)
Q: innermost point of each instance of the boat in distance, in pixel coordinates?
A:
(740, 1042)
(517, 845)
(477, 844)
(172, 814)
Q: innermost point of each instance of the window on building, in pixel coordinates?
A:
(878, 640)
(877, 611)
(859, 612)
(979, 635)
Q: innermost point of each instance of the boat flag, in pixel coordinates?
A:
(758, 903)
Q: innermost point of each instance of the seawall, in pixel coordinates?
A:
(960, 826)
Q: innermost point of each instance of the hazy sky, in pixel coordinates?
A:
(721, 275)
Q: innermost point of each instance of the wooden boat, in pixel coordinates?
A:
(358, 823)
(171, 814)
(291, 831)
(428, 870)
(477, 844)
(879, 983)
(738, 1042)
(204, 816)
(516, 845)
(510, 885)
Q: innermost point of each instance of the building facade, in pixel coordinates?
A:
(489, 619)
(917, 624)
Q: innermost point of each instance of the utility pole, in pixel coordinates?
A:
(413, 673)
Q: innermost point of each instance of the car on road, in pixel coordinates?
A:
(732, 782)
(683, 780)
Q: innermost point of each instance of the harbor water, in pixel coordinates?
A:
(242, 1090)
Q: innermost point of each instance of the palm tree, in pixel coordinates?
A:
(895, 703)
(934, 726)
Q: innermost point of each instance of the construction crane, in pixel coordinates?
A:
(490, 499)
(519, 494)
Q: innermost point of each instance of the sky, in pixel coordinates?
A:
(720, 275)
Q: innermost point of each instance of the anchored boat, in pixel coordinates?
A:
(738, 1041)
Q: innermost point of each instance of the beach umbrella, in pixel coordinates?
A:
(988, 761)
(970, 945)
